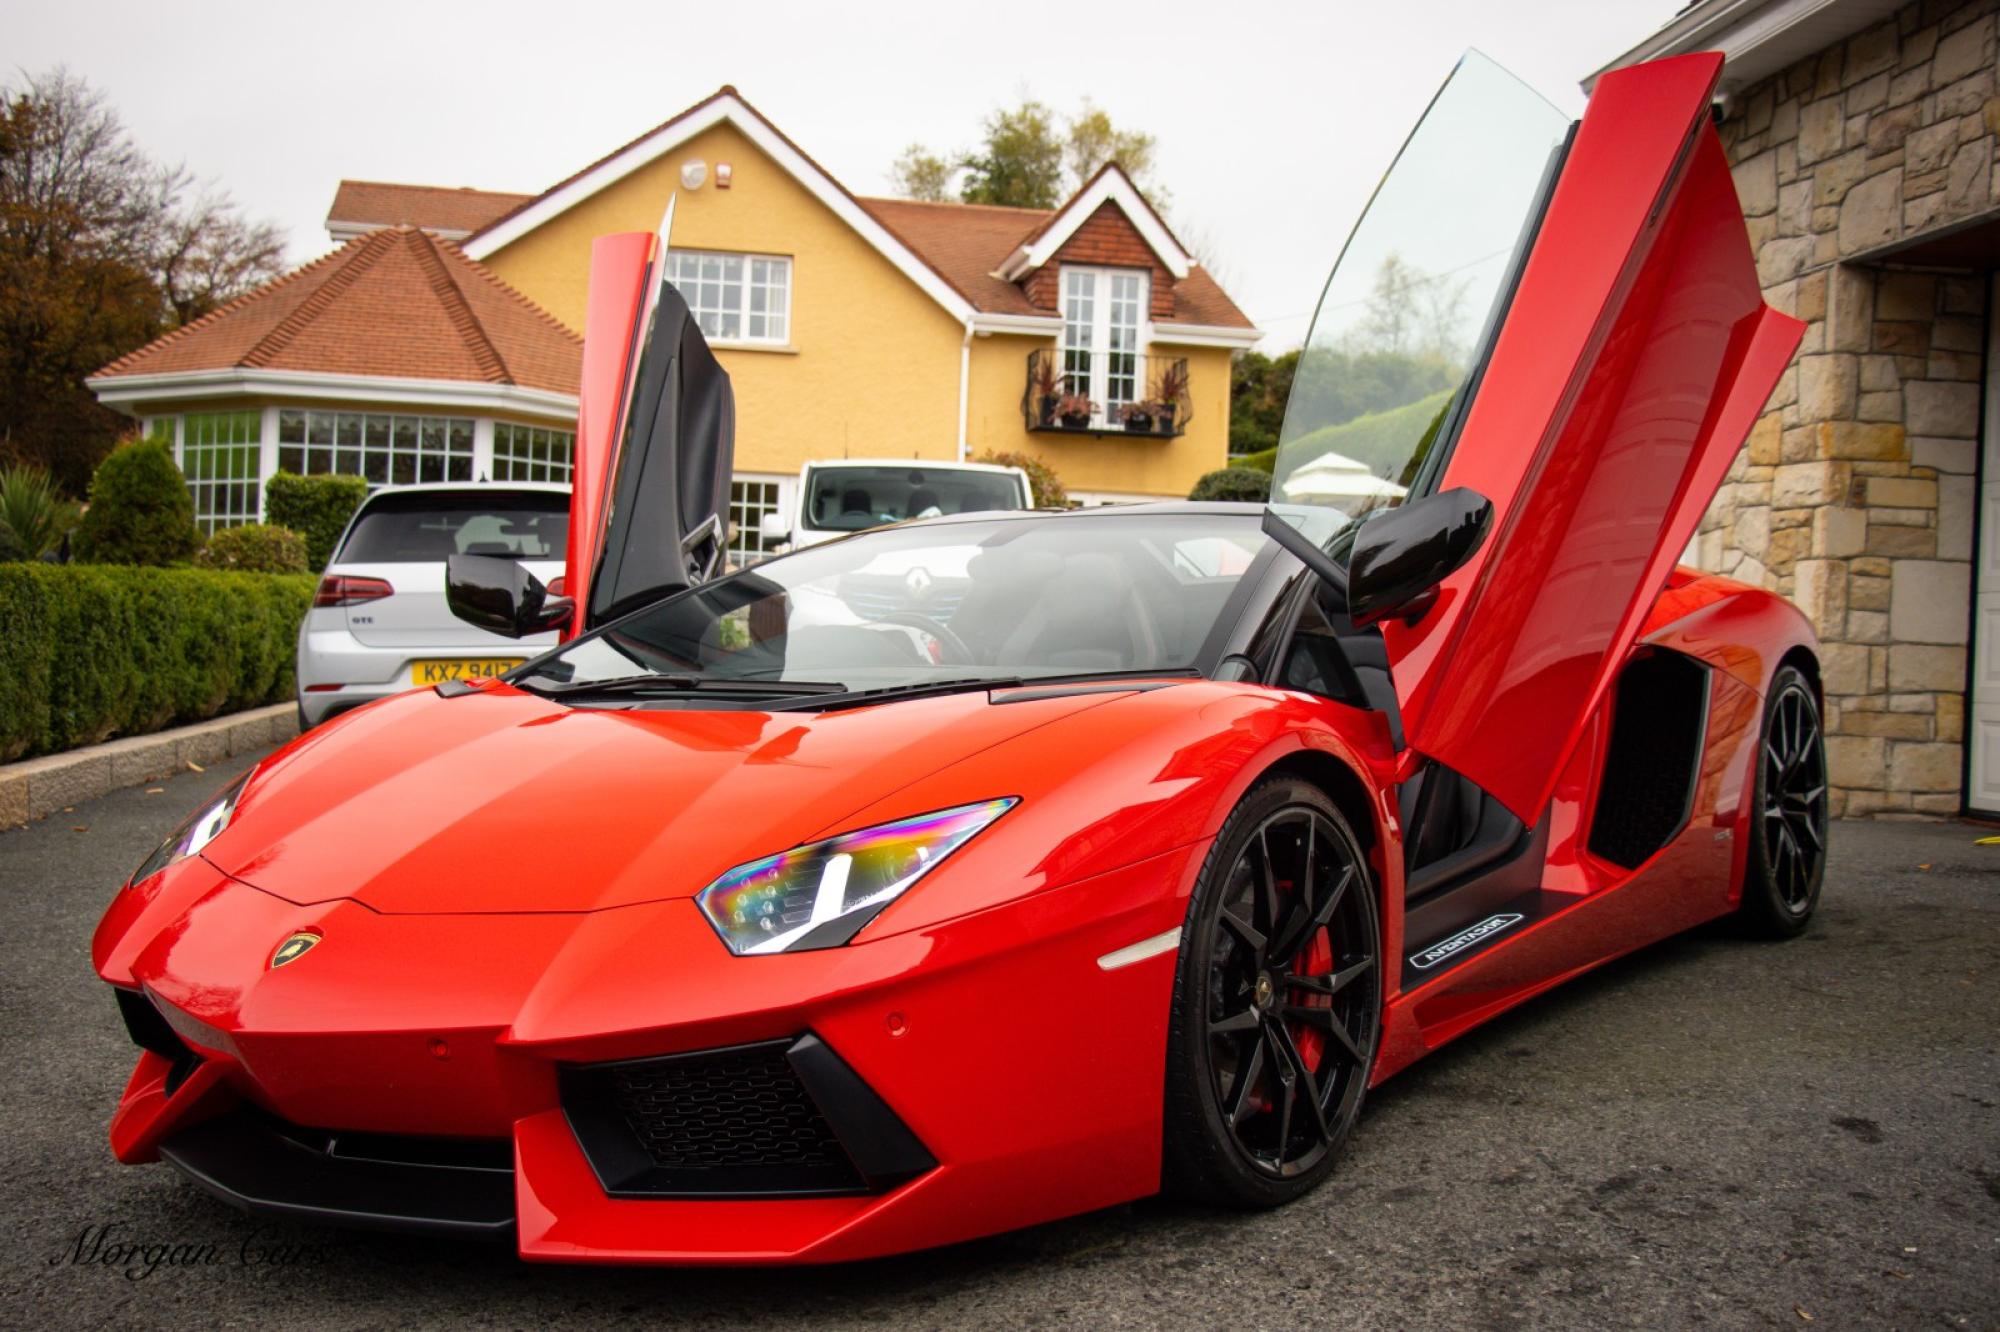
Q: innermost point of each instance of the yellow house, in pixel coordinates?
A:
(1086, 336)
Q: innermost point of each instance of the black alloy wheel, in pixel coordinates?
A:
(1277, 1004)
(1788, 861)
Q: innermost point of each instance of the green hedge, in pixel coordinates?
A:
(254, 548)
(89, 652)
(316, 507)
(1233, 483)
(1382, 440)
(139, 510)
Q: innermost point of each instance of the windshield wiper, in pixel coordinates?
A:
(928, 688)
(682, 683)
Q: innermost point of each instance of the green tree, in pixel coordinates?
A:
(1093, 140)
(101, 250)
(921, 174)
(139, 512)
(1028, 157)
(1259, 387)
(1020, 164)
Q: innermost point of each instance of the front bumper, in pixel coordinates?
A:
(987, 1074)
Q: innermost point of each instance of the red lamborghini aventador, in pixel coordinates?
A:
(979, 871)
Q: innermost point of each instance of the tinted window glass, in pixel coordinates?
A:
(419, 527)
(848, 499)
(1396, 334)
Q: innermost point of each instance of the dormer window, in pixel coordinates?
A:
(1103, 312)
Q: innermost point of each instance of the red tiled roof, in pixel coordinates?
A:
(397, 303)
(378, 203)
(967, 243)
(962, 243)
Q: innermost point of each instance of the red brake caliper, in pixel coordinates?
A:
(1317, 961)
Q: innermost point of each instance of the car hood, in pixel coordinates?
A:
(501, 801)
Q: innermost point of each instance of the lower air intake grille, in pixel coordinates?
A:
(781, 1118)
(739, 1107)
(1658, 725)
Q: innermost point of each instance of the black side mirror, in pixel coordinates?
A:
(1401, 556)
(500, 596)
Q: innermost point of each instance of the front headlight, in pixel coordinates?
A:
(202, 827)
(820, 895)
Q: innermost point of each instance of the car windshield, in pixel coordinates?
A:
(908, 606)
(416, 527)
(848, 499)
(1412, 300)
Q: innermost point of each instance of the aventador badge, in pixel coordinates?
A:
(293, 948)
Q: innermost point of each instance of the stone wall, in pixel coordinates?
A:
(1854, 494)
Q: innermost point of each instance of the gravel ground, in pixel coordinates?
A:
(1710, 1132)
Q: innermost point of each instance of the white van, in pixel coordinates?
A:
(852, 494)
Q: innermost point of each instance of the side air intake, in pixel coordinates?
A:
(1658, 725)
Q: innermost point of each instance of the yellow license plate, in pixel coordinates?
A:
(437, 672)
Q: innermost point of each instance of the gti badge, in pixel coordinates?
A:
(293, 948)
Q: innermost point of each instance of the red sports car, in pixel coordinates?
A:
(975, 872)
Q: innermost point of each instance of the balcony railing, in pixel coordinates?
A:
(1106, 393)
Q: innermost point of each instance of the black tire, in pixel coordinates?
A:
(1279, 969)
(1788, 823)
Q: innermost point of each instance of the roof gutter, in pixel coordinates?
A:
(133, 393)
(1755, 37)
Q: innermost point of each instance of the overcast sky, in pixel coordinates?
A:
(1273, 120)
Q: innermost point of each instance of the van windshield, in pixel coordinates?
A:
(849, 499)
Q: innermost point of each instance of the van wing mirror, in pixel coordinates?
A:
(499, 595)
(774, 525)
(1400, 556)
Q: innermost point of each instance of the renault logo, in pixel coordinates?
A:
(293, 948)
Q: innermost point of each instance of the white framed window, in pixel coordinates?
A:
(531, 453)
(1104, 314)
(736, 297)
(219, 454)
(750, 498)
(389, 450)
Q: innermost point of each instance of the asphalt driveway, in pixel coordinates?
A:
(1709, 1132)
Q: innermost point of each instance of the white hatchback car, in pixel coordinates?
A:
(379, 623)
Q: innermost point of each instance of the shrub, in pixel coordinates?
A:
(139, 510)
(254, 548)
(1042, 479)
(316, 507)
(33, 514)
(1233, 483)
(88, 652)
(1381, 440)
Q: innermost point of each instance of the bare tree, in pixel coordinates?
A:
(207, 253)
(101, 250)
(1389, 321)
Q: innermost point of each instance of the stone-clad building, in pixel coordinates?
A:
(1863, 138)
